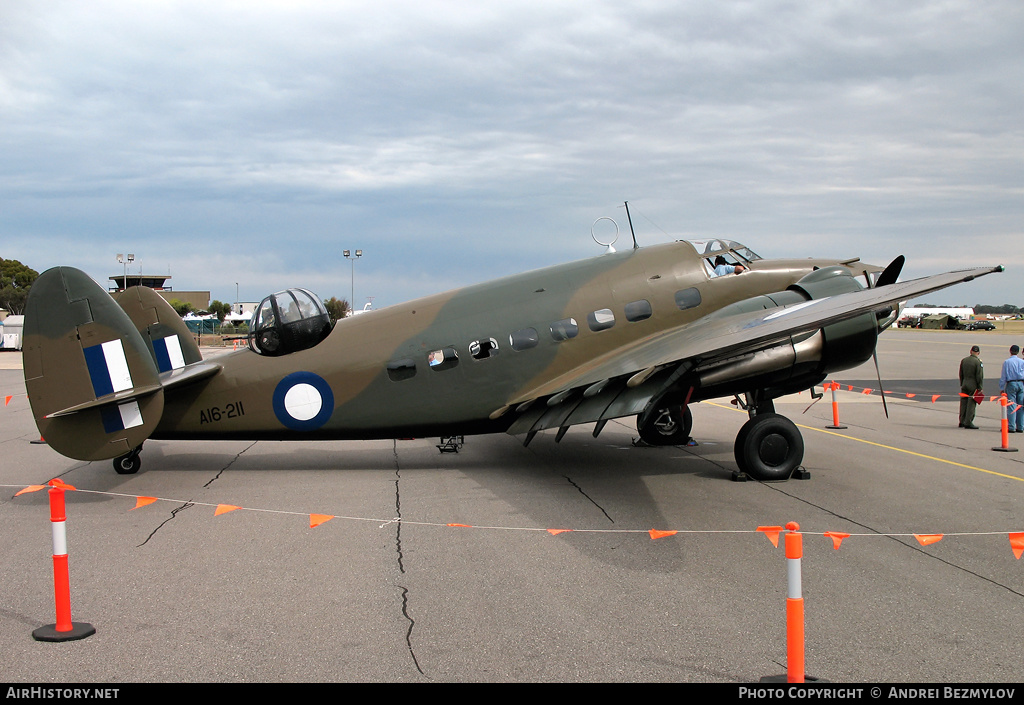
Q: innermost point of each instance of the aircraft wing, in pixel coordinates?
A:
(705, 340)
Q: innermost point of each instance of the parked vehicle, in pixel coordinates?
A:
(980, 325)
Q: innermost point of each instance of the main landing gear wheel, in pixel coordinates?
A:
(769, 447)
(129, 463)
(669, 426)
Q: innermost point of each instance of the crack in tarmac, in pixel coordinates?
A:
(400, 556)
(225, 468)
(589, 498)
(189, 503)
(174, 513)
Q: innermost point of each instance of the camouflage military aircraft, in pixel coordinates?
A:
(644, 332)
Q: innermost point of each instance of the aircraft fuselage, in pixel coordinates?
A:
(372, 377)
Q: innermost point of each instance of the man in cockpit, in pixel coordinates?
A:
(722, 267)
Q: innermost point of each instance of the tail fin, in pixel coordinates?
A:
(169, 340)
(91, 377)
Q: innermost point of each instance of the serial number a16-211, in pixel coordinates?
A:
(216, 413)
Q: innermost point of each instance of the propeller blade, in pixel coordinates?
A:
(891, 273)
(880, 388)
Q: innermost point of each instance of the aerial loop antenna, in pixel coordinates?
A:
(613, 240)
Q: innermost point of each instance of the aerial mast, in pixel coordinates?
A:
(635, 246)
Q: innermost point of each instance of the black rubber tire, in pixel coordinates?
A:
(127, 464)
(769, 447)
(670, 426)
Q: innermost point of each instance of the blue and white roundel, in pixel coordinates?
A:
(303, 401)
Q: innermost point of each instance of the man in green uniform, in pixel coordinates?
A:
(972, 374)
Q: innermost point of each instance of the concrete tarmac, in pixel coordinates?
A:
(179, 594)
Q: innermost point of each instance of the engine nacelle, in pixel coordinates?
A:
(802, 360)
(847, 343)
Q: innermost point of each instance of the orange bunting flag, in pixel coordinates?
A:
(59, 484)
(1017, 544)
(992, 398)
(7, 400)
(772, 532)
(837, 538)
(224, 509)
(849, 387)
(935, 397)
(556, 532)
(867, 391)
(142, 502)
(910, 396)
(656, 534)
(316, 520)
(31, 488)
(928, 539)
(464, 526)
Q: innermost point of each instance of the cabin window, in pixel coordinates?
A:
(687, 298)
(638, 310)
(602, 319)
(483, 349)
(443, 359)
(399, 370)
(524, 339)
(564, 329)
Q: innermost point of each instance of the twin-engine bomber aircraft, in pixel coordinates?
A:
(644, 332)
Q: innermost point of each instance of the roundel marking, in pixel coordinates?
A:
(303, 401)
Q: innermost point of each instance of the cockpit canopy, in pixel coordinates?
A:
(288, 321)
(710, 248)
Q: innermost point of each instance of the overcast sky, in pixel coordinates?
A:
(454, 142)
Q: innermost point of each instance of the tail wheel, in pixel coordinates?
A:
(128, 464)
(669, 426)
(769, 447)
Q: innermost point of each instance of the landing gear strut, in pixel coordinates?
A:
(129, 463)
(669, 426)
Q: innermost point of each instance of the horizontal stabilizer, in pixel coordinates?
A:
(91, 377)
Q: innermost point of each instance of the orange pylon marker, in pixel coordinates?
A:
(1004, 426)
(794, 605)
(835, 407)
(64, 629)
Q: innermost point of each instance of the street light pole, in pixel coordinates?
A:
(125, 260)
(352, 296)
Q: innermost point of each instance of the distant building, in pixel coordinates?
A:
(153, 281)
(200, 300)
(962, 313)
